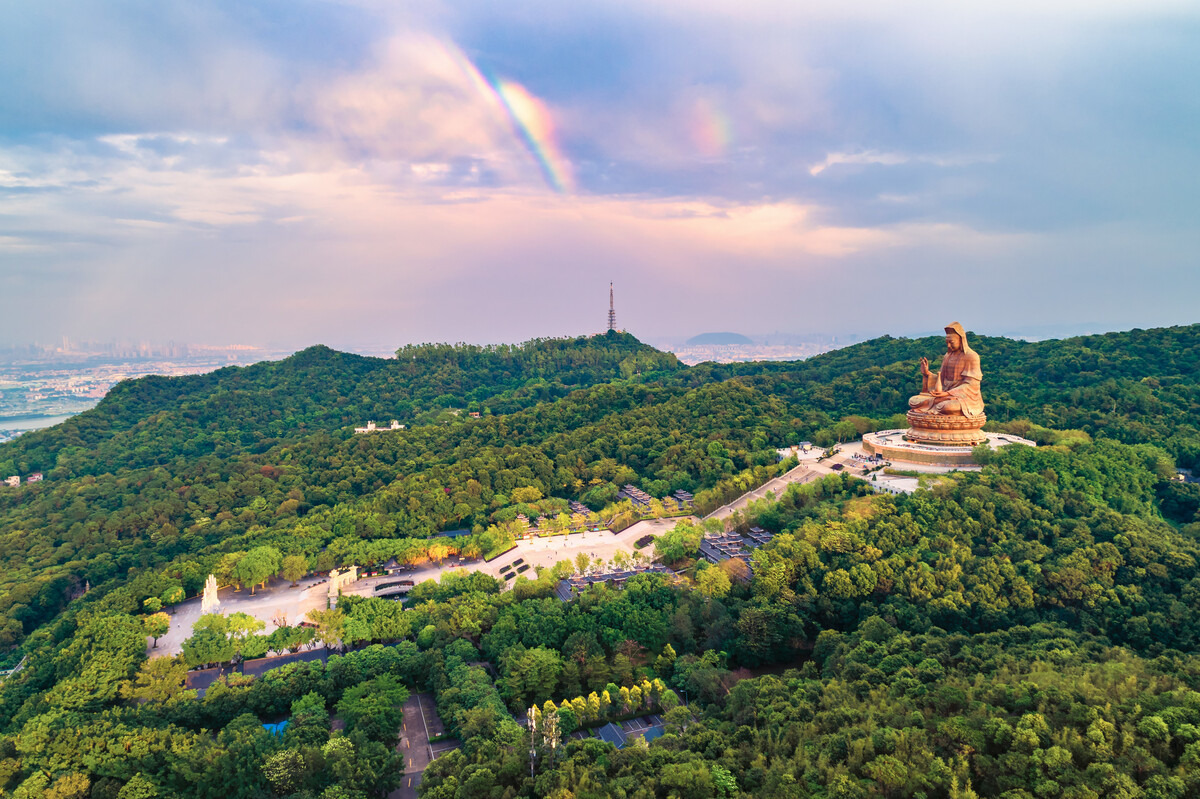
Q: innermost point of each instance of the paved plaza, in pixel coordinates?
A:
(536, 552)
(277, 597)
(313, 592)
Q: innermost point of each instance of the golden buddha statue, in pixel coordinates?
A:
(949, 409)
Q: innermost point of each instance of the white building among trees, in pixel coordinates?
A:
(372, 428)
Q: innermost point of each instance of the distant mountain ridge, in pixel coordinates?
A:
(719, 340)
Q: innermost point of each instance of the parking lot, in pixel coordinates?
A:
(421, 722)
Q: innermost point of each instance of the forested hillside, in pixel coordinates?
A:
(244, 457)
(157, 420)
(1137, 387)
(1029, 629)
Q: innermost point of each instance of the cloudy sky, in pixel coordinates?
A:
(292, 171)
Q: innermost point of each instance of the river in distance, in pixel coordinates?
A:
(27, 423)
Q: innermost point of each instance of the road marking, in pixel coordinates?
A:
(425, 724)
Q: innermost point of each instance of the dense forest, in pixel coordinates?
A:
(158, 420)
(1028, 630)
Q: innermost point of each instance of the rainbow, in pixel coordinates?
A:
(530, 120)
(711, 130)
(534, 125)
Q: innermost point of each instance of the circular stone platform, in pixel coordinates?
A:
(945, 430)
(891, 445)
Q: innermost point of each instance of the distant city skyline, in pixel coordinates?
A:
(291, 173)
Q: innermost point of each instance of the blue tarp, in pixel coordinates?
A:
(277, 728)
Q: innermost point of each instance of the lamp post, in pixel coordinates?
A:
(532, 746)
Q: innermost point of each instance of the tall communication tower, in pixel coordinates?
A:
(612, 311)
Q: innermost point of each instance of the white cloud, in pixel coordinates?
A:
(886, 159)
(872, 157)
(415, 101)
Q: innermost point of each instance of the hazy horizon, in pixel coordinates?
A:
(278, 349)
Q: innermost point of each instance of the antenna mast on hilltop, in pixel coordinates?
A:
(612, 311)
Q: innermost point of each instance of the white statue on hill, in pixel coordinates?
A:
(210, 603)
